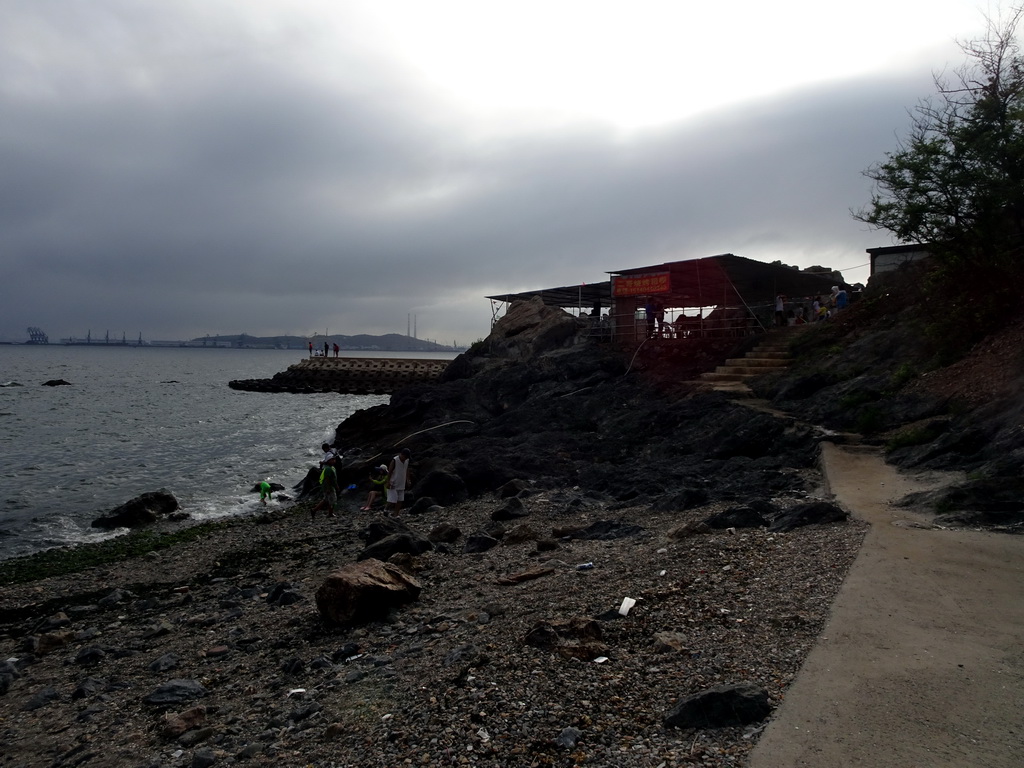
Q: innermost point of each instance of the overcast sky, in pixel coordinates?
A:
(294, 166)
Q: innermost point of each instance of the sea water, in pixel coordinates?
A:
(137, 419)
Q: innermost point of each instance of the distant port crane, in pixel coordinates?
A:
(36, 336)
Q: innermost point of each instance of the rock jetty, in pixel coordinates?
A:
(353, 375)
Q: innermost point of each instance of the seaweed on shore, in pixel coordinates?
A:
(61, 561)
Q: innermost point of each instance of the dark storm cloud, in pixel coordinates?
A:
(239, 193)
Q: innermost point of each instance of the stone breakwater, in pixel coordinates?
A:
(351, 375)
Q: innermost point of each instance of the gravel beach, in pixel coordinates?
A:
(446, 680)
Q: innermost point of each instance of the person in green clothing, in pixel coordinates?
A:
(329, 486)
(265, 492)
(378, 486)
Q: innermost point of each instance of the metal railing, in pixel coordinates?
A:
(720, 322)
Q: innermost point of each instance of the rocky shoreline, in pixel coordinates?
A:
(550, 485)
(552, 480)
(449, 679)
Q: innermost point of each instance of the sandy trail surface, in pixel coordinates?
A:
(922, 661)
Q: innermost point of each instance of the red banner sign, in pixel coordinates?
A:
(641, 285)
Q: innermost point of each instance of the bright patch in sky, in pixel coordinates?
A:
(641, 63)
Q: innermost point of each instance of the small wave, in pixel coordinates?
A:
(232, 506)
(59, 531)
(11, 384)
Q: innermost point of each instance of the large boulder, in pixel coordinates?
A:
(737, 517)
(576, 638)
(411, 543)
(548, 634)
(175, 692)
(382, 527)
(530, 328)
(809, 513)
(446, 488)
(444, 533)
(721, 707)
(512, 509)
(142, 510)
(9, 672)
(365, 591)
(479, 542)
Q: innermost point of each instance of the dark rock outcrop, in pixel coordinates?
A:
(990, 501)
(175, 692)
(811, 513)
(529, 329)
(142, 510)
(514, 488)
(721, 707)
(512, 509)
(607, 530)
(423, 505)
(737, 517)
(381, 528)
(411, 543)
(446, 488)
(444, 533)
(479, 542)
(579, 638)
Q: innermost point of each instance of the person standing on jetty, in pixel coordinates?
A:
(336, 349)
(398, 480)
(311, 349)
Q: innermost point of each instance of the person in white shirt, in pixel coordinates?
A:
(398, 480)
(329, 453)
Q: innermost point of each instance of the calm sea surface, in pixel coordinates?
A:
(138, 419)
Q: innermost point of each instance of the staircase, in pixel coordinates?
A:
(771, 354)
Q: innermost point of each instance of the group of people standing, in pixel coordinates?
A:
(391, 480)
(821, 308)
(327, 348)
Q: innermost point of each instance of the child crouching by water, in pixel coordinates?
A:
(265, 492)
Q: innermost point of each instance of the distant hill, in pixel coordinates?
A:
(390, 342)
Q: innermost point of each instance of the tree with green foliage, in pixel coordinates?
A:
(957, 181)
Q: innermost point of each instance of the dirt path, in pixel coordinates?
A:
(921, 664)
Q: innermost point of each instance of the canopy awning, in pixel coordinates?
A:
(583, 295)
(720, 279)
(725, 279)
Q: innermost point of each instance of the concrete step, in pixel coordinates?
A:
(770, 352)
(745, 370)
(735, 389)
(717, 376)
(759, 362)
